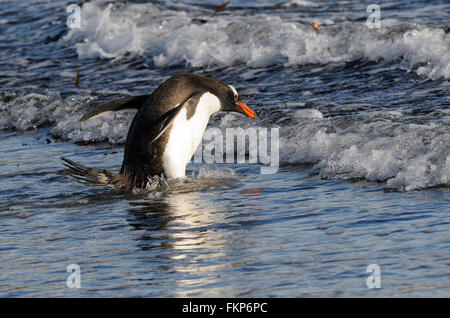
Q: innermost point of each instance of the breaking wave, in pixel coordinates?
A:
(176, 37)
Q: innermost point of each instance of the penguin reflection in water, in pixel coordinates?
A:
(165, 132)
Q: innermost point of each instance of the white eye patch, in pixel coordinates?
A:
(234, 91)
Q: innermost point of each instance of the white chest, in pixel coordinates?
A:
(186, 135)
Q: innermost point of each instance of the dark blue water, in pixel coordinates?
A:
(364, 152)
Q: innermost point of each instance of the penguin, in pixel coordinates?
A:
(165, 132)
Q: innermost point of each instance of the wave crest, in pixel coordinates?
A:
(172, 38)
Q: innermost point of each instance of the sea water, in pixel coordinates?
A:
(364, 150)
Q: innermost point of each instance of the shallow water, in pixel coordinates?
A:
(364, 151)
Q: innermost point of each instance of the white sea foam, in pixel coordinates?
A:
(406, 156)
(172, 37)
(300, 3)
(378, 147)
(36, 110)
(112, 127)
(210, 171)
(32, 111)
(308, 113)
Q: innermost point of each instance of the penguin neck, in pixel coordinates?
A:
(208, 104)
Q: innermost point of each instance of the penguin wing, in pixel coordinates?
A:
(130, 102)
(168, 117)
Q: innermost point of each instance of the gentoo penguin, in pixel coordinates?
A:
(165, 131)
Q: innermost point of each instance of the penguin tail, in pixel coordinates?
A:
(93, 177)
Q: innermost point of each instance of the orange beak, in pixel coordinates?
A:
(250, 113)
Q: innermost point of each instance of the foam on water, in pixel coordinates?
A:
(376, 147)
(210, 171)
(32, 111)
(405, 156)
(112, 127)
(299, 3)
(172, 37)
(208, 177)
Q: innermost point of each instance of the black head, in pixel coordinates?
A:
(187, 84)
(232, 102)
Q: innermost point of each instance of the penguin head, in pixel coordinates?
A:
(231, 102)
(226, 97)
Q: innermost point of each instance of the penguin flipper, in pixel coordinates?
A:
(168, 117)
(130, 102)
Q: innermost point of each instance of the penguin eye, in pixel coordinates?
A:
(236, 98)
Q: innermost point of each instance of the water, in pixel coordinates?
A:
(364, 150)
